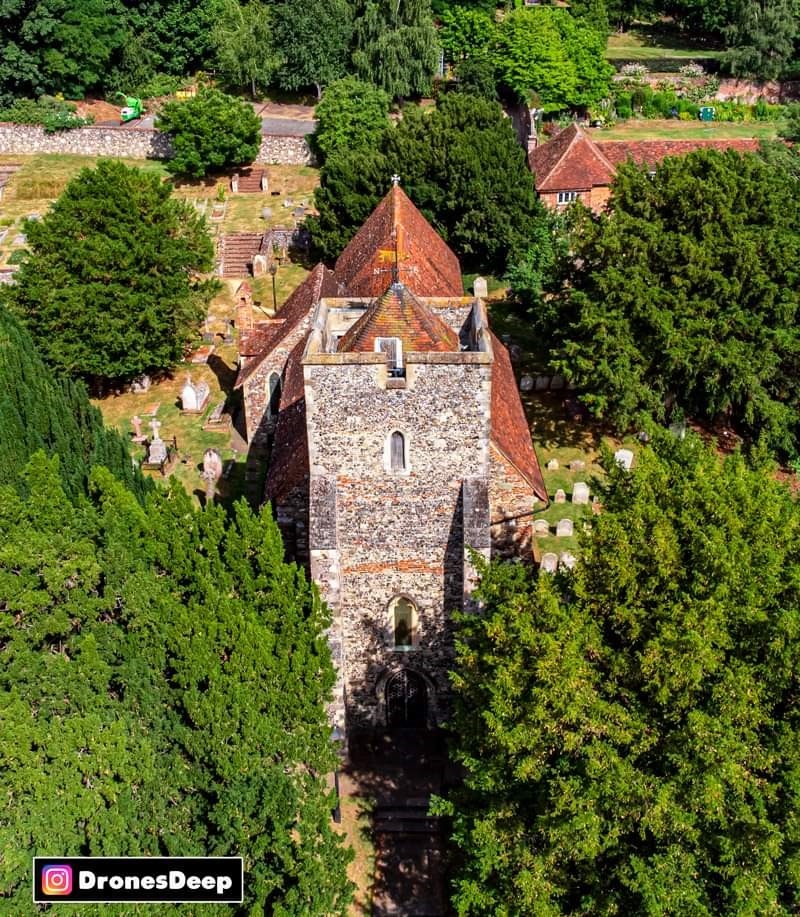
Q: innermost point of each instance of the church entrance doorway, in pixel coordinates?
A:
(406, 701)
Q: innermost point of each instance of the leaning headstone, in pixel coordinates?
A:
(549, 563)
(564, 528)
(580, 492)
(480, 288)
(624, 457)
(577, 465)
(212, 470)
(136, 423)
(526, 383)
(541, 526)
(552, 465)
(567, 560)
(560, 496)
(140, 385)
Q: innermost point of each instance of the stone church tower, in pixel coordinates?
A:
(399, 445)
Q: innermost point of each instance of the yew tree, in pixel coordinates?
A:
(630, 731)
(110, 287)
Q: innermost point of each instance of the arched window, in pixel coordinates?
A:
(397, 451)
(403, 623)
(274, 394)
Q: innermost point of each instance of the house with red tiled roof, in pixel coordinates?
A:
(573, 166)
(399, 449)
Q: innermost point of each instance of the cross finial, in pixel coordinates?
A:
(395, 179)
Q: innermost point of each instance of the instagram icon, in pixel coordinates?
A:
(57, 880)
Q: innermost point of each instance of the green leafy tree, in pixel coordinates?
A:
(395, 45)
(709, 16)
(165, 678)
(40, 412)
(685, 295)
(464, 32)
(209, 132)
(243, 38)
(593, 12)
(791, 128)
(314, 41)
(761, 37)
(351, 115)
(546, 52)
(477, 76)
(629, 732)
(109, 289)
(460, 164)
(622, 13)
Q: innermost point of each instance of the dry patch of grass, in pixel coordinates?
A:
(355, 827)
(672, 129)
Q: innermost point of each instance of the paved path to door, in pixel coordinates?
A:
(398, 772)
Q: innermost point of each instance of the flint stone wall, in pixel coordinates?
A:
(397, 533)
(131, 143)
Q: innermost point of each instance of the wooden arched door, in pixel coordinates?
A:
(406, 701)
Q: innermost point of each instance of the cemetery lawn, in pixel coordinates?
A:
(672, 129)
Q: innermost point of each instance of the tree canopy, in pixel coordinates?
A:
(109, 288)
(685, 295)
(164, 677)
(210, 132)
(547, 55)
(460, 164)
(629, 731)
(351, 115)
(243, 39)
(395, 46)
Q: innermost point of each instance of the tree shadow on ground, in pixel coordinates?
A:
(226, 375)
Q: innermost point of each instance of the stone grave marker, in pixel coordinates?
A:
(526, 383)
(560, 496)
(552, 465)
(557, 382)
(212, 471)
(157, 453)
(624, 457)
(549, 562)
(567, 560)
(141, 385)
(194, 397)
(136, 423)
(480, 288)
(541, 527)
(580, 492)
(564, 528)
(542, 383)
(577, 465)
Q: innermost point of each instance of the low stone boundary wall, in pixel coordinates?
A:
(131, 143)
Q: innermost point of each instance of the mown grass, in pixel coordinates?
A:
(672, 129)
(651, 42)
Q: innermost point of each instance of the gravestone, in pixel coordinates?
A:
(624, 457)
(542, 383)
(480, 288)
(136, 423)
(140, 385)
(266, 213)
(549, 562)
(560, 496)
(194, 397)
(212, 471)
(515, 353)
(157, 453)
(526, 383)
(552, 465)
(259, 265)
(564, 528)
(557, 382)
(580, 492)
(264, 182)
(541, 526)
(567, 560)
(228, 336)
(577, 465)
(235, 182)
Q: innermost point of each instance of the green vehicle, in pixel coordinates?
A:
(133, 108)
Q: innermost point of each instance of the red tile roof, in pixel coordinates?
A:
(265, 338)
(399, 314)
(510, 431)
(569, 162)
(651, 152)
(291, 437)
(425, 262)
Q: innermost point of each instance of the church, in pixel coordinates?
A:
(398, 447)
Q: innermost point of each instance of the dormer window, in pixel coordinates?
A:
(393, 348)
